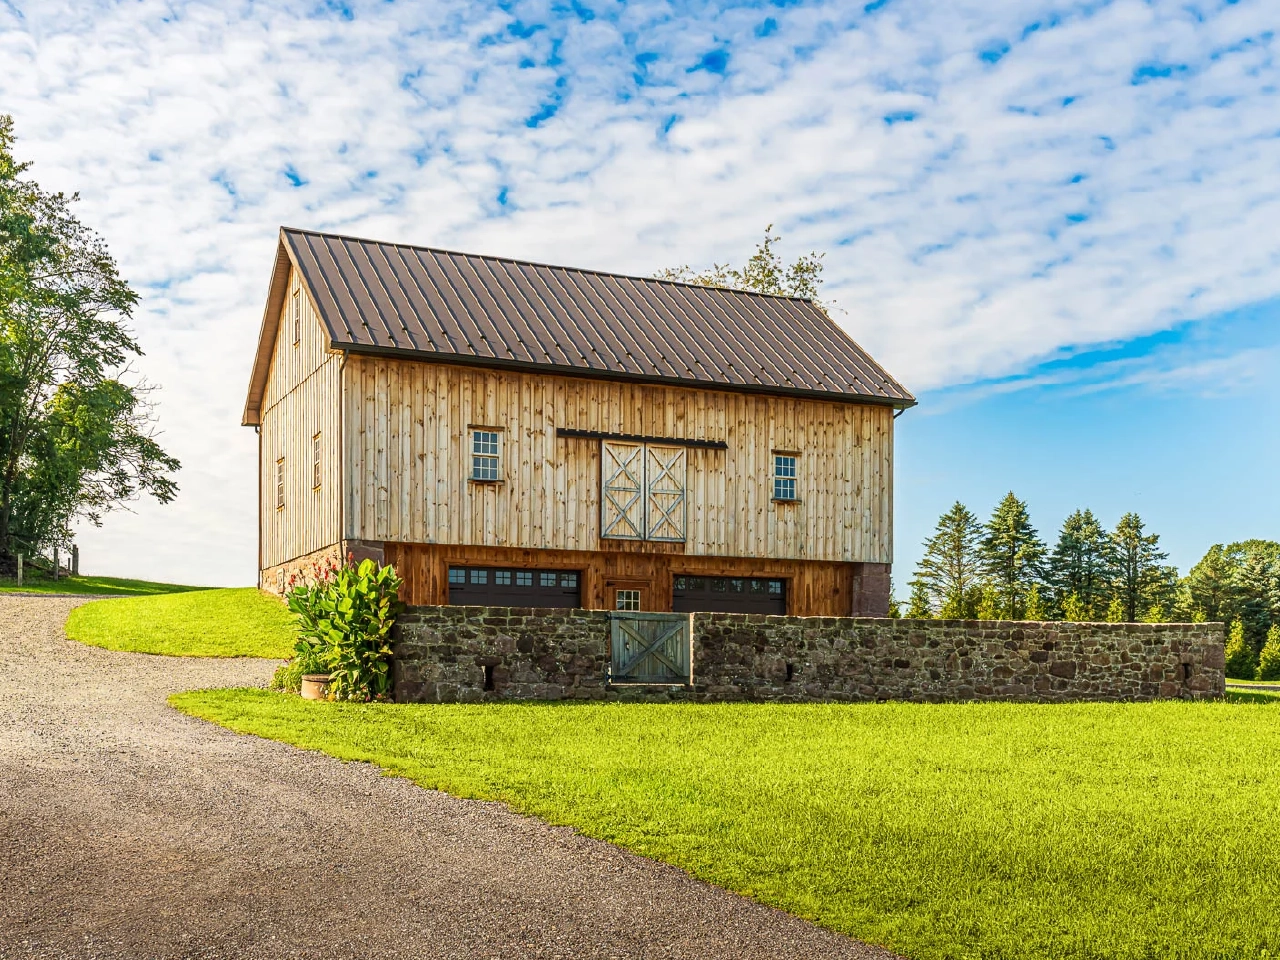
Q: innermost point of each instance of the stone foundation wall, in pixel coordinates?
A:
(492, 653)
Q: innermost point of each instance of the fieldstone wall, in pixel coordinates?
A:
(484, 653)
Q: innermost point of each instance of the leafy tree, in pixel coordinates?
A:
(75, 439)
(1241, 660)
(1080, 564)
(764, 272)
(1011, 553)
(951, 568)
(1269, 660)
(1074, 610)
(1035, 609)
(989, 602)
(1139, 578)
(918, 606)
(1115, 610)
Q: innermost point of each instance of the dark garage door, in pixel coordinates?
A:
(510, 587)
(729, 595)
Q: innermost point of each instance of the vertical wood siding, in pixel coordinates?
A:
(302, 399)
(407, 463)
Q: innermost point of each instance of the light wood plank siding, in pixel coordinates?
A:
(407, 463)
(302, 398)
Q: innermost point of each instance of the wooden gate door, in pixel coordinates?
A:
(651, 648)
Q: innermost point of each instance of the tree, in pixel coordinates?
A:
(1257, 582)
(75, 439)
(1074, 611)
(950, 568)
(989, 602)
(1035, 609)
(1011, 553)
(918, 606)
(1269, 660)
(763, 272)
(1211, 585)
(1080, 564)
(1139, 578)
(1241, 661)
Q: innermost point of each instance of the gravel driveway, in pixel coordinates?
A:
(129, 829)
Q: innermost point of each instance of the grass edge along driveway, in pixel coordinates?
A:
(939, 830)
(233, 622)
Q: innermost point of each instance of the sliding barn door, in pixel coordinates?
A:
(664, 493)
(622, 490)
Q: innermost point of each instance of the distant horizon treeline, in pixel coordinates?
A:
(1003, 570)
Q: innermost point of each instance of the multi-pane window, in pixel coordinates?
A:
(280, 484)
(486, 455)
(628, 599)
(784, 476)
(315, 461)
(296, 311)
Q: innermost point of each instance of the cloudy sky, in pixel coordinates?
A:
(1056, 222)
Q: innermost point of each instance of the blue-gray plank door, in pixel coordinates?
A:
(651, 648)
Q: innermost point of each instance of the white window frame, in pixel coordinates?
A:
(781, 481)
(626, 599)
(317, 466)
(280, 483)
(490, 456)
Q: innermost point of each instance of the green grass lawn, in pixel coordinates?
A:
(238, 622)
(942, 831)
(109, 585)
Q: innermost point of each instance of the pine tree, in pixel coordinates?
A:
(1212, 586)
(1269, 661)
(1241, 663)
(1081, 563)
(918, 605)
(1257, 583)
(951, 568)
(1139, 578)
(1011, 552)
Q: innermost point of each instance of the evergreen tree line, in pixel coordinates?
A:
(1003, 570)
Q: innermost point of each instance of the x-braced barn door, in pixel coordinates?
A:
(651, 648)
(642, 495)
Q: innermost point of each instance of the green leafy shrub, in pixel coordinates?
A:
(1269, 661)
(1240, 661)
(344, 619)
(305, 661)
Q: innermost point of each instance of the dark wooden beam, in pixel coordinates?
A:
(636, 438)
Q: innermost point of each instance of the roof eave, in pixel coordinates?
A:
(587, 373)
(267, 335)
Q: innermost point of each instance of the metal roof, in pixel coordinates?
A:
(433, 304)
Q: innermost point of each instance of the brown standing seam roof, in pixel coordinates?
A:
(391, 298)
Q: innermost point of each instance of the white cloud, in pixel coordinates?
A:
(950, 236)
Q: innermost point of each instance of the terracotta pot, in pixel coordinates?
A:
(315, 686)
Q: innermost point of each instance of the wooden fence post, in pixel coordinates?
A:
(19, 569)
(55, 563)
(75, 560)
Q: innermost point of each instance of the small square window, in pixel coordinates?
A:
(568, 579)
(524, 578)
(775, 586)
(784, 476)
(547, 579)
(628, 599)
(479, 576)
(502, 577)
(486, 454)
(457, 575)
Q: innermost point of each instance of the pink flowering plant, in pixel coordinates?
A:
(345, 615)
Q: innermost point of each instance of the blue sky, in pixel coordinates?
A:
(1054, 221)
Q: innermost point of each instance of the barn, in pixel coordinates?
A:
(509, 433)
